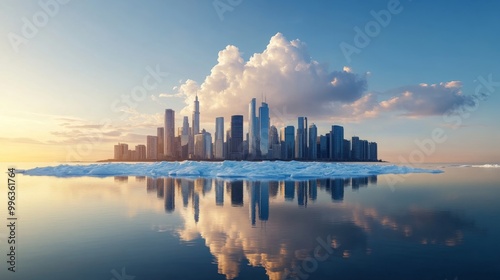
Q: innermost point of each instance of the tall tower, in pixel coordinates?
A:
(313, 135)
(264, 130)
(185, 126)
(337, 143)
(236, 147)
(160, 133)
(301, 139)
(253, 130)
(196, 116)
(219, 138)
(169, 133)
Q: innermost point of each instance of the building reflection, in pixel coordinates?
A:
(169, 195)
(160, 187)
(259, 201)
(300, 187)
(230, 231)
(140, 178)
(219, 193)
(236, 188)
(121, 179)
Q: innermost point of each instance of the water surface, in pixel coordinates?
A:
(426, 226)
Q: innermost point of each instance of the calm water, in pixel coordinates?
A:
(428, 226)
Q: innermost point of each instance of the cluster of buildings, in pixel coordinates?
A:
(261, 142)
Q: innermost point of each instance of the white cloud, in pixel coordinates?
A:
(284, 73)
(427, 99)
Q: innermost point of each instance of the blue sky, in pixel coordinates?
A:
(61, 82)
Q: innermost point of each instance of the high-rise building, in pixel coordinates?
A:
(208, 145)
(273, 136)
(236, 147)
(337, 143)
(347, 149)
(185, 126)
(323, 147)
(219, 138)
(160, 133)
(169, 133)
(288, 145)
(227, 144)
(355, 148)
(140, 151)
(301, 139)
(372, 147)
(120, 150)
(264, 130)
(274, 143)
(253, 130)
(196, 117)
(313, 135)
(199, 146)
(151, 147)
(364, 149)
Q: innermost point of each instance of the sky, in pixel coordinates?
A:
(420, 78)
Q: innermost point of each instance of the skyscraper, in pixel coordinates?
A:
(347, 149)
(337, 143)
(355, 148)
(141, 152)
(236, 148)
(151, 147)
(219, 138)
(289, 143)
(169, 133)
(301, 139)
(274, 143)
(313, 147)
(253, 130)
(160, 133)
(120, 150)
(208, 145)
(185, 126)
(196, 117)
(264, 130)
(372, 147)
(199, 146)
(323, 147)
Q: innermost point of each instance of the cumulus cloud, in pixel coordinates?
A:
(294, 84)
(427, 100)
(284, 73)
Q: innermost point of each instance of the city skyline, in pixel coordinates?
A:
(426, 89)
(260, 142)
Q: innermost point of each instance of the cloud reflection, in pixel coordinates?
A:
(276, 225)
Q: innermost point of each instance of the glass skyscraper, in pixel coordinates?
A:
(219, 138)
(236, 149)
(264, 130)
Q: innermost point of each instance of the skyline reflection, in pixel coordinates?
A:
(266, 222)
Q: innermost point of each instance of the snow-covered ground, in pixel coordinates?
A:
(265, 170)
